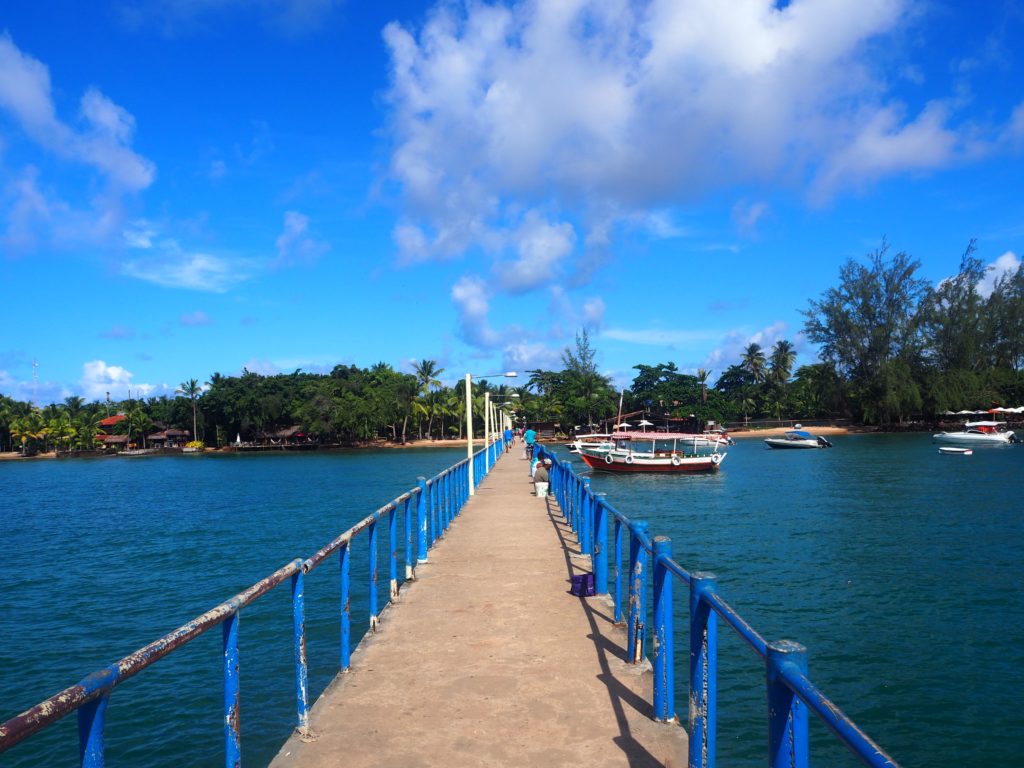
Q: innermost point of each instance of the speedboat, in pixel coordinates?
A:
(666, 452)
(797, 438)
(979, 433)
(597, 441)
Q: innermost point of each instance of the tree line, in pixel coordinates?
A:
(891, 348)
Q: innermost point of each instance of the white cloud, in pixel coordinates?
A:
(166, 263)
(470, 297)
(25, 94)
(98, 378)
(626, 109)
(527, 355)
(294, 245)
(593, 312)
(730, 349)
(661, 337)
(540, 249)
(1005, 265)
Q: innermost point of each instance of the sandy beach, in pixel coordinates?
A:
(771, 431)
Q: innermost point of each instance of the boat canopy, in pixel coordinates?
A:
(659, 436)
(800, 433)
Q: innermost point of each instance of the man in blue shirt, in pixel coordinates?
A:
(530, 437)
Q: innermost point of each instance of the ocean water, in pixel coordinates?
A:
(900, 570)
(102, 556)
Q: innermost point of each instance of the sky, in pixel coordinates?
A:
(200, 186)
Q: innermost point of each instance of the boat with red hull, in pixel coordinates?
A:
(664, 452)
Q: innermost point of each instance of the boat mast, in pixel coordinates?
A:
(618, 419)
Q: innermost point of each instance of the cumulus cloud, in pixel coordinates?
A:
(98, 378)
(470, 297)
(1005, 266)
(104, 145)
(294, 244)
(164, 262)
(620, 111)
(540, 249)
(731, 346)
(99, 140)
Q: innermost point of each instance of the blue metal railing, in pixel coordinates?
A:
(790, 693)
(437, 502)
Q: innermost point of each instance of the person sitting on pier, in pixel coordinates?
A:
(541, 478)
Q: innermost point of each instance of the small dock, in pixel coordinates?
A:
(488, 660)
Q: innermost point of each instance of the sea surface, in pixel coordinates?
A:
(899, 569)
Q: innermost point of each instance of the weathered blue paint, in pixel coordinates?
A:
(91, 720)
(600, 544)
(587, 516)
(299, 633)
(636, 627)
(344, 560)
(703, 708)
(393, 558)
(232, 694)
(619, 526)
(372, 557)
(787, 714)
(410, 541)
(421, 519)
(664, 675)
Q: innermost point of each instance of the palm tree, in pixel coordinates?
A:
(191, 390)
(754, 362)
(782, 359)
(26, 428)
(427, 374)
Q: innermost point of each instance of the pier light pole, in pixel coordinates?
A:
(469, 417)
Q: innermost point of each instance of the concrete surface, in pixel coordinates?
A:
(487, 660)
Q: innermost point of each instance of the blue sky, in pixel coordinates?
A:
(190, 186)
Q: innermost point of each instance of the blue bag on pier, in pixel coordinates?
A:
(582, 585)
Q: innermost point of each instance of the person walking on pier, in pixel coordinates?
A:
(530, 437)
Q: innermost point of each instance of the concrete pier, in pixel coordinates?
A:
(487, 660)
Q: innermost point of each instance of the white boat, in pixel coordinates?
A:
(797, 438)
(666, 452)
(597, 441)
(979, 433)
(955, 450)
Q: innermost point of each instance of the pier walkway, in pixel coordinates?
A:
(487, 660)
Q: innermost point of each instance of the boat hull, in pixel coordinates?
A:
(685, 465)
(782, 442)
(973, 438)
(951, 450)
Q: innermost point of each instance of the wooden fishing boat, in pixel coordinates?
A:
(664, 452)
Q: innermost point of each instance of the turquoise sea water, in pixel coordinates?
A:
(898, 568)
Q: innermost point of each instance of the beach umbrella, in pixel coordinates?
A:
(623, 425)
(645, 423)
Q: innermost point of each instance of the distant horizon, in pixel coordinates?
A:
(211, 187)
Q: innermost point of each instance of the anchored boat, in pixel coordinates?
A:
(666, 452)
(797, 438)
(979, 433)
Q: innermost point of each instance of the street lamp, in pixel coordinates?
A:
(469, 417)
(491, 416)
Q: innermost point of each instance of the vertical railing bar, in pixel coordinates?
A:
(372, 544)
(600, 546)
(299, 633)
(232, 694)
(421, 520)
(787, 714)
(393, 548)
(637, 592)
(664, 669)
(91, 721)
(344, 561)
(703, 695)
(618, 569)
(410, 542)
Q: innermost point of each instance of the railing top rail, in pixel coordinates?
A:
(30, 721)
(737, 622)
(858, 742)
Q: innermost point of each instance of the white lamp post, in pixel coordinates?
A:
(469, 418)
